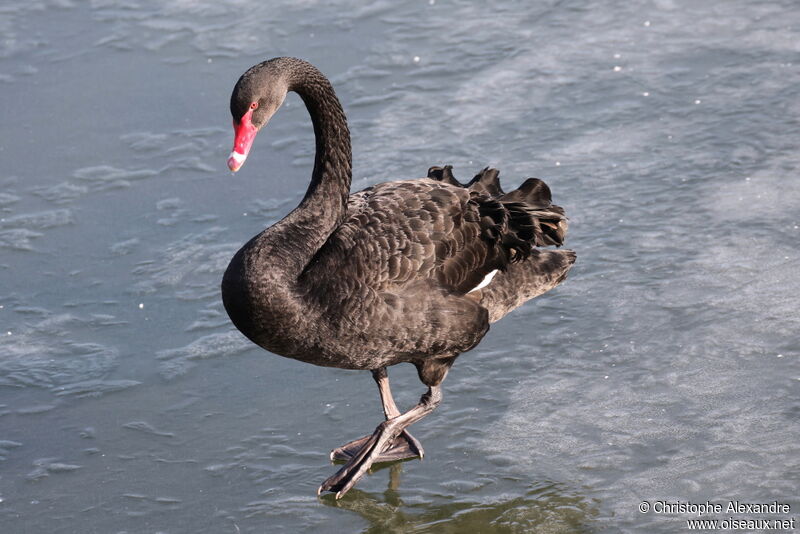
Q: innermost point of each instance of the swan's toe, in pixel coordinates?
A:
(348, 450)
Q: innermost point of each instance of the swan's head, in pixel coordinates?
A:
(256, 97)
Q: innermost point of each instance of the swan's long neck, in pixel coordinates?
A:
(324, 206)
(261, 289)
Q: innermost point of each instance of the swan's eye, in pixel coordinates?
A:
(254, 105)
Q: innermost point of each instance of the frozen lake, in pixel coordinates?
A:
(664, 369)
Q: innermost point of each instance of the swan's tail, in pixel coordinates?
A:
(539, 273)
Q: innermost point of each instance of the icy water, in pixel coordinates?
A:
(665, 368)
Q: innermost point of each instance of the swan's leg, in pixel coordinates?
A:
(380, 441)
(404, 447)
(382, 379)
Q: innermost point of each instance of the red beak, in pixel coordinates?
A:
(244, 134)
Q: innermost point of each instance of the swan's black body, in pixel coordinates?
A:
(386, 275)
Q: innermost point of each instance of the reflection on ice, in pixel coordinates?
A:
(549, 508)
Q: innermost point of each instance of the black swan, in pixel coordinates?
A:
(408, 271)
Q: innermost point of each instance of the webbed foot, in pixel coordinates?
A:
(404, 447)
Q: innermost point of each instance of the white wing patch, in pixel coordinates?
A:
(485, 282)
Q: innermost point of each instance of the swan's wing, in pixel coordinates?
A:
(398, 233)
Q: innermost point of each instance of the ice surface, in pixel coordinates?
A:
(666, 367)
